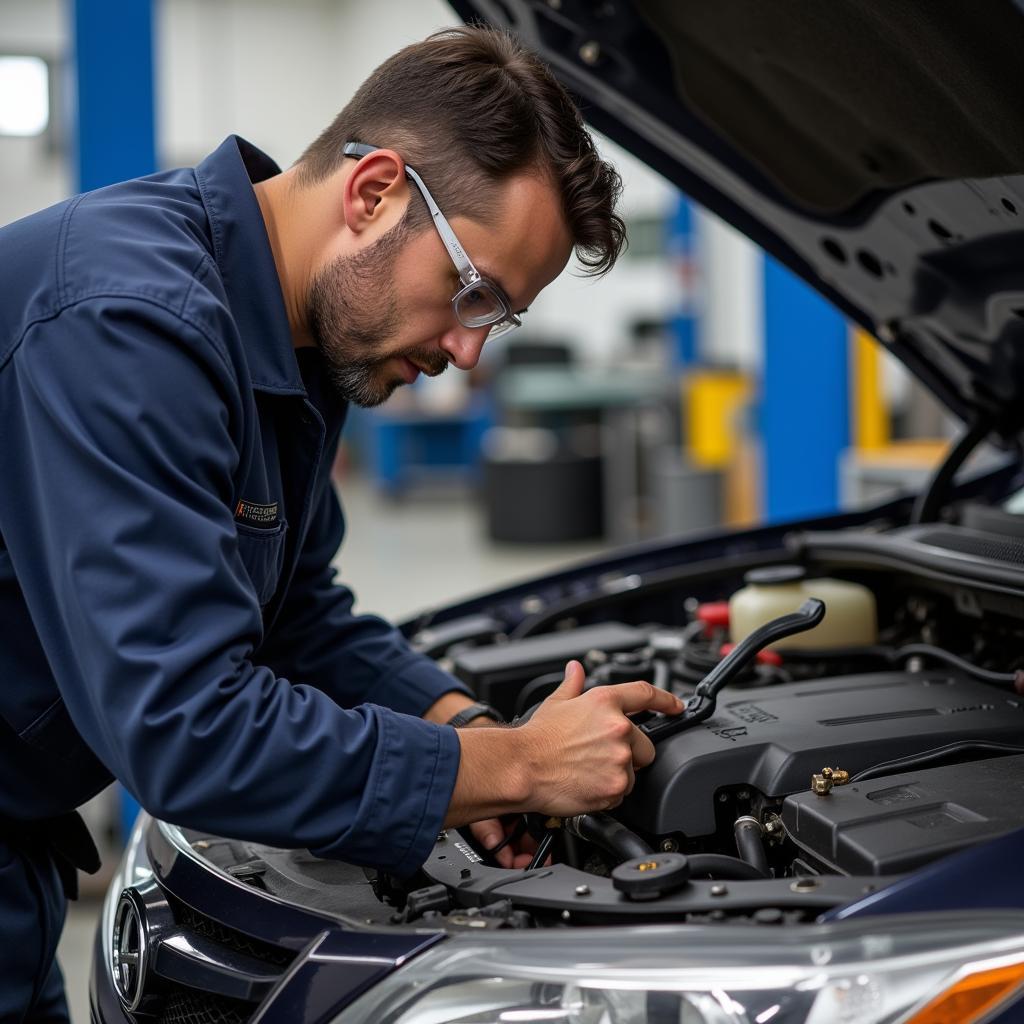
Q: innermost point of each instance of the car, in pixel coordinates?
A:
(833, 830)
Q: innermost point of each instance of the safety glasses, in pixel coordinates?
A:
(480, 302)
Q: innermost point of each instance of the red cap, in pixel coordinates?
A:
(714, 615)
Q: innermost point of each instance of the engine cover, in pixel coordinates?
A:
(773, 739)
(896, 823)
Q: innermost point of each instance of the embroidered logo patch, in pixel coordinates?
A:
(252, 514)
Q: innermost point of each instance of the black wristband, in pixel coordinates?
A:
(478, 710)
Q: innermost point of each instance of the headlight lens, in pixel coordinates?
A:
(920, 970)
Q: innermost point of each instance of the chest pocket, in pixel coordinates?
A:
(262, 552)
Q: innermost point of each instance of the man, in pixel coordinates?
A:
(176, 356)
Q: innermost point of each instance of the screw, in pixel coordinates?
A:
(582, 890)
(719, 890)
(566, 915)
(590, 52)
(669, 846)
(743, 795)
(722, 797)
(532, 605)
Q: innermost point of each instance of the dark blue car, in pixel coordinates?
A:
(834, 832)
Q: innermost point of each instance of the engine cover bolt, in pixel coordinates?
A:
(669, 846)
(719, 890)
(582, 890)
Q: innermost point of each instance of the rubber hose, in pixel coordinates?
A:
(750, 843)
(718, 865)
(611, 835)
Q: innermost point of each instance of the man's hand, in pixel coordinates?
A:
(578, 753)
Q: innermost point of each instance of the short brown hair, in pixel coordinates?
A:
(467, 108)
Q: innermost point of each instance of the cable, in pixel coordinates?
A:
(930, 651)
(926, 507)
(936, 754)
(542, 850)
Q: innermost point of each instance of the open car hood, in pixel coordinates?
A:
(874, 148)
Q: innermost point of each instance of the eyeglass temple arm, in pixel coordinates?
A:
(467, 272)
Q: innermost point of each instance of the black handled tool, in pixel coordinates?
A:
(705, 698)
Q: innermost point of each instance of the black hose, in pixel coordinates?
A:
(611, 835)
(929, 651)
(928, 757)
(750, 843)
(543, 685)
(929, 501)
(718, 865)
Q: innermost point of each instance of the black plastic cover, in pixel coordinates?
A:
(496, 673)
(774, 738)
(900, 822)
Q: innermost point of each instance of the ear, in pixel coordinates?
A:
(376, 192)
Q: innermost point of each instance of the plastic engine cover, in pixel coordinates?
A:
(900, 822)
(774, 738)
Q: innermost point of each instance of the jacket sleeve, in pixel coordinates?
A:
(353, 658)
(121, 426)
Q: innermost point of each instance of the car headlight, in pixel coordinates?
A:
(930, 969)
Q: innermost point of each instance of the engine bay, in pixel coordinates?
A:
(826, 770)
(827, 765)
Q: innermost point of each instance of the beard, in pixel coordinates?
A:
(352, 310)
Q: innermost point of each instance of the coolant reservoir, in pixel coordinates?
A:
(851, 619)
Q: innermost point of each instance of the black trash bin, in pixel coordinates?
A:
(537, 501)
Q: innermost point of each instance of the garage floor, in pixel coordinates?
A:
(399, 558)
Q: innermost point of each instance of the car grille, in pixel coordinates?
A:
(189, 1006)
(178, 1003)
(223, 935)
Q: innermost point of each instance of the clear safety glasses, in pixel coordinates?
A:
(480, 302)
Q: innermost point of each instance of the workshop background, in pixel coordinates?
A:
(698, 385)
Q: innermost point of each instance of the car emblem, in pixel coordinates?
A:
(129, 950)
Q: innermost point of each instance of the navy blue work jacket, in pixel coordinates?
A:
(168, 612)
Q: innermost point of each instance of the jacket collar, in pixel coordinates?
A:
(246, 262)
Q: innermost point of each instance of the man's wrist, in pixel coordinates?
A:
(484, 791)
(446, 705)
(477, 713)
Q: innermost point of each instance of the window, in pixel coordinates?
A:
(24, 95)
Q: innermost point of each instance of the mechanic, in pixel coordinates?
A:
(176, 356)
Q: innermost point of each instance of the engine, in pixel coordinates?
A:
(827, 767)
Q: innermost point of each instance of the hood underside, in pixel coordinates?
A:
(874, 148)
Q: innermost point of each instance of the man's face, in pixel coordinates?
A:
(382, 315)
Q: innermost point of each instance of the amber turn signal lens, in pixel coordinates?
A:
(972, 996)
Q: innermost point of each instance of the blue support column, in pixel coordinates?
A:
(115, 123)
(680, 232)
(115, 126)
(805, 420)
